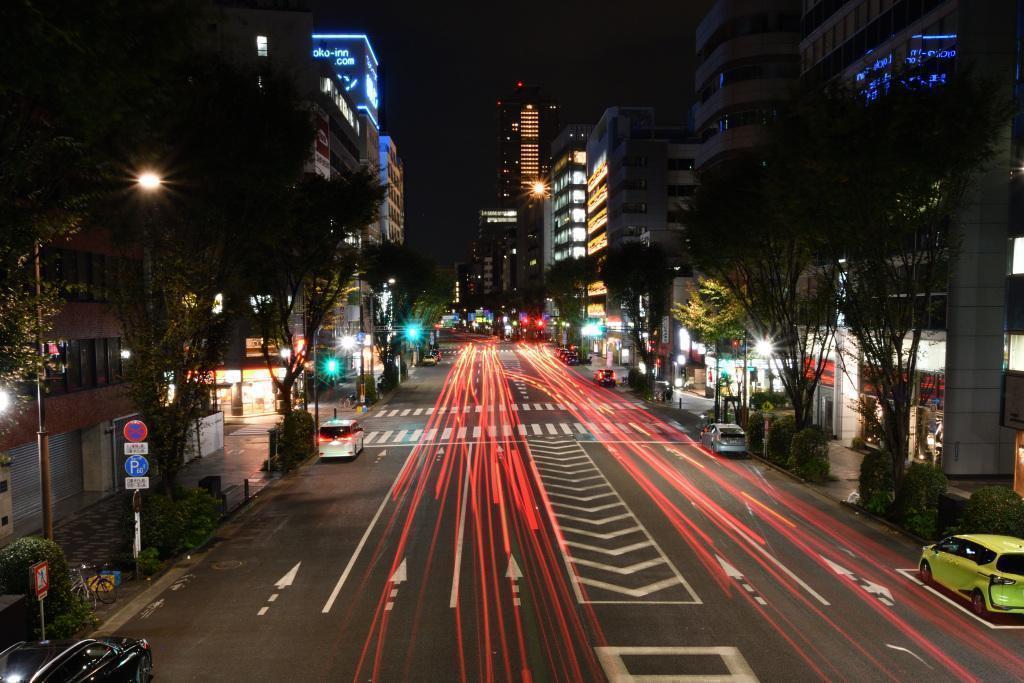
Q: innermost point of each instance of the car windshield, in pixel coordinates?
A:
(1011, 563)
(335, 431)
(21, 663)
(731, 431)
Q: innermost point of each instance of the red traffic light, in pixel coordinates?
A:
(540, 323)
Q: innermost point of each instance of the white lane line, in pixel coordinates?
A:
(263, 610)
(362, 541)
(454, 599)
(273, 597)
(911, 574)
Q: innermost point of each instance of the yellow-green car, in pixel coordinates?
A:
(986, 568)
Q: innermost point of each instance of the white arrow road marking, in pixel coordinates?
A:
(400, 575)
(838, 569)
(912, 654)
(289, 578)
(631, 592)
(881, 592)
(453, 600)
(736, 574)
(514, 573)
(729, 570)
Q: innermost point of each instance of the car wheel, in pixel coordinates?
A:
(978, 605)
(926, 573)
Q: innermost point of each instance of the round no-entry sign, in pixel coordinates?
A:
(135, 431)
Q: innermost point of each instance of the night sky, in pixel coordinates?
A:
(446, 64)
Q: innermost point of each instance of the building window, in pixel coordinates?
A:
(262, 46)
(634, 207)
(1015, 362)
(634, 161)
(1017, 262)
(680, 164)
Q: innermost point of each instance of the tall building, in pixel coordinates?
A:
(392, 179)
(494, 251)
(527, 124)
(568, 192)
(533, 240)
(747, 64)
(970, 369)
(640, 176)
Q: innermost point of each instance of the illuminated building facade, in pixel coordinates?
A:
(392, 179)
(527, 124)
(568, 192)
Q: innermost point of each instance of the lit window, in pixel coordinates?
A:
(261, 46)
(1017, 266)
(579, 234)
(579, 252)
(1016, 359)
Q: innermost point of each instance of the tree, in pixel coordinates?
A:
(768, 264)
(890, 178)
(566, 283)
(232, 145)
(637, 275)
(302, 267)
(711, 313)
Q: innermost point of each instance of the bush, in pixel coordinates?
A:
(295, 442)
(755, 432)
(917, 500)
(199, 513)
(371, 389)
(170, 526)
(876, 482)
(66, 613)
(809, 453)
(759, 399)
(858, 443)
(149, 562)
(994, 510)
(635, 378)
(780, 438)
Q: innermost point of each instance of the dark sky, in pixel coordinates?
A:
(445, 64)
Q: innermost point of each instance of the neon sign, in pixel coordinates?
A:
(355, 67)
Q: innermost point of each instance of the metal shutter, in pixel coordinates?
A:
(66, 475)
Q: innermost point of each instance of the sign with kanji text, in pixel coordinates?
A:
(135, 431)
(139, 448)
(136, 483)
(41, 579)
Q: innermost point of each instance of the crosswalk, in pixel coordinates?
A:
(603, 430)
(515, 407)
(251, 430)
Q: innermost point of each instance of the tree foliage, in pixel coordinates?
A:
(566, 282)
(711, 313)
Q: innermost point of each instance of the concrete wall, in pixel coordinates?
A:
(210, 437)
(97, 458)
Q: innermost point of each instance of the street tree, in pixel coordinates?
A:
(745, 230)
(566, 283)
(228, 148)
(637, 277)
(711, 313)
(303, 266)
(891, 177)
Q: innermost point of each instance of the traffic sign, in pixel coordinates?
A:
(41, 579)
(135, 430)
(136, 466)
(140, 448)
(136, 483)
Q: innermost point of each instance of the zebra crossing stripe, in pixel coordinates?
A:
(462, 433)
(401, 435)
(385, 436)
(406, 412)
(580, 429)
(565, 428)
(537, 406)
(477, 408)
(418, 411)
(551, 429)
(506, 430)
(490, 431)
(429, 434)
(549, 406)
(476, 432)
(415, 436)
(561, 406)
(522, 429)
(429, 411)
(526, 406)
(515, 406)
(370, 437)
(446, 434)
(536, 429)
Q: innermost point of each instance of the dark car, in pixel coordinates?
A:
(605, 378)
(71, 661)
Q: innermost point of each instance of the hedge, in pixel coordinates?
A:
(994, 510)
(876, 481)
(171, 526)
(295, 442)
(780, 440)
(809, 454)
(755, 432)
(917, 500)
(66, 613)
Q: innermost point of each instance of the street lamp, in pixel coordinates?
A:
(538, 189)
(764, 348)
(149, 180)
(5, 400)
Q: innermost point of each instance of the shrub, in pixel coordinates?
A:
(371, 389)
(66, 613)
(170, 526)
(149, 562)
(199, 513)
(759, 399)
(755, 432)
(295, 442)
(635, 378)
(858, 443)
(917, 500)
(876, 481)
(809, 452)
(994, 510)
(780, 438)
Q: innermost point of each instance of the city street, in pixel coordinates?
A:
(509, 520)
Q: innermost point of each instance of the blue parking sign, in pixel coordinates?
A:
(136, 466)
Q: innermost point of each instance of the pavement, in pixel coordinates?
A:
(509, 520)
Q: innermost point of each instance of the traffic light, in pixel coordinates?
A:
(412, 332)
(332, 367)
(540, 323)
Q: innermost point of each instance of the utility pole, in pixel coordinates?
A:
(42, 437)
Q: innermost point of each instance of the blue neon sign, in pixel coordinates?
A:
(355, 67)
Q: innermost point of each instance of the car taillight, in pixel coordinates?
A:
(1000, 581)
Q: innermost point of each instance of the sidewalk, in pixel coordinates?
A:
(94, 535)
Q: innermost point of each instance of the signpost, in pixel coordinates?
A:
(40, 580)
(136, 466)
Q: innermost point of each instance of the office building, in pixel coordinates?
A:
(527, 124)
(568, 190)
(392, 179)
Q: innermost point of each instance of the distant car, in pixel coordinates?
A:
(986, 568)
(428, 360)
(724, 437)
(436, 353)
(74, 661)
(605, 378)
(340, 439)
(560, 352)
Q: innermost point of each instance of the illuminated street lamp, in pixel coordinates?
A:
(348, 342)
(538, 189)
(764, 348)
(149, 180)
(286, 354)
(5, 400)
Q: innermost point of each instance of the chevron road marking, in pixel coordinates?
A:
(631, 592)
(624, 571)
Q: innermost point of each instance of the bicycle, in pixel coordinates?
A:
(95, 587)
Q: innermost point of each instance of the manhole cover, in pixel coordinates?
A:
(227, 564)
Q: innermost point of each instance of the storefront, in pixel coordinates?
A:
(249, 391)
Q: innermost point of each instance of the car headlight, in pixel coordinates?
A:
(1001, 581)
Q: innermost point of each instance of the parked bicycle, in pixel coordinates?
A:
(91, 584)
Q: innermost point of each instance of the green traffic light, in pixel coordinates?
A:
(412, 332)
(331, 366)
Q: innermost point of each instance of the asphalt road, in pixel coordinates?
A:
(509, 520)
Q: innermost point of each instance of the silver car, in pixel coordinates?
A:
(340, 439)
(724, 437)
